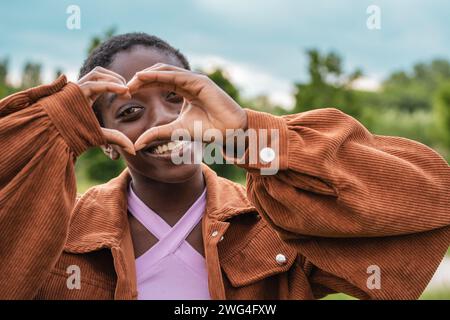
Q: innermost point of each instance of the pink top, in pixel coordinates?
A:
(172, 268)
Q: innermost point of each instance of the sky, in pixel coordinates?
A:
(260, 44)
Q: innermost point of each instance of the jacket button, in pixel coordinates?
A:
(215, 233)
(281, 259)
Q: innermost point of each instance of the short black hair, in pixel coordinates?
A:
(104, 54)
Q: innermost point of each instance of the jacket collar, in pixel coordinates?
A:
(99, 218)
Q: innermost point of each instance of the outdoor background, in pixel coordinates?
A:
(282, 57)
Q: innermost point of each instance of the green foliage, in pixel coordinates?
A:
(221, 79)
(98, 167)
(98, 39)
(413, 90)
(58, 73)
(442, 294)
(31, 76)
(442, 112)
(4, 63)
(416, 125)
(5, 88)
(328, 86)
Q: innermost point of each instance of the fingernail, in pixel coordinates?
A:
(139, 146)
(131, 151)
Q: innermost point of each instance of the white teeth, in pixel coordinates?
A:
(170, 146)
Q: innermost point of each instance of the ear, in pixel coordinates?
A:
(110, 151)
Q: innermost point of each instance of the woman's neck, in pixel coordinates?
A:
(169, 200)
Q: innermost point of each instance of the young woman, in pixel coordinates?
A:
(347, 211)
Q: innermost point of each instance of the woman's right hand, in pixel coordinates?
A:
(93, 85)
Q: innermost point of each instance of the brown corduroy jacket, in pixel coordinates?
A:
(344, 203)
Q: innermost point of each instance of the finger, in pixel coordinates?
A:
(112, 73)
(100, 71)
(163, 132)
(95, 88)
(116, 137)
(165, 67)
(156, 65)
(160, 65)
(184, 106)
(188, 81)
(169, 67)
(103, 77)
(169, 87)
(135, 84)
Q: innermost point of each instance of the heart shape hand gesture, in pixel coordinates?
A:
(203, 101)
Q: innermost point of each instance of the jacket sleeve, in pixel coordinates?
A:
(351, 201)
(42, 131)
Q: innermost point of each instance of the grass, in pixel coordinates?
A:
(338, 296)
(427, 295)
(436, 295)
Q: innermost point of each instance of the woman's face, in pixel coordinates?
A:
(149, 107)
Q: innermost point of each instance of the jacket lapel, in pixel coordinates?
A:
(99, 217)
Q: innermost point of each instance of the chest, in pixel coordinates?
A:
(143, 240)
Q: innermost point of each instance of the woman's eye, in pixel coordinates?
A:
(174, 98)
(129, 111)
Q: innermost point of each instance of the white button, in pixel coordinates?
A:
(267, 155)
(281, 259)
(214, 234)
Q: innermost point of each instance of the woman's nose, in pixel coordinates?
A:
(164, 114)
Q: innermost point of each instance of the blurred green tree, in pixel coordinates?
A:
(413, 90)
(98, 39)
(31, 76)
(4, 64)
(58, 72)
(220, 78)
(328, 86)
(441, 108)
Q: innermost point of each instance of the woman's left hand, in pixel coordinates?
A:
(204, 101)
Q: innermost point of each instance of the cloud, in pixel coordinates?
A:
(251, 80)
(367, 84)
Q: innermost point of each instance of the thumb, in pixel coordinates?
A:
(116, 137)
(163, 132)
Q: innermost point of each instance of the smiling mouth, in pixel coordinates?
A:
(165, 148)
